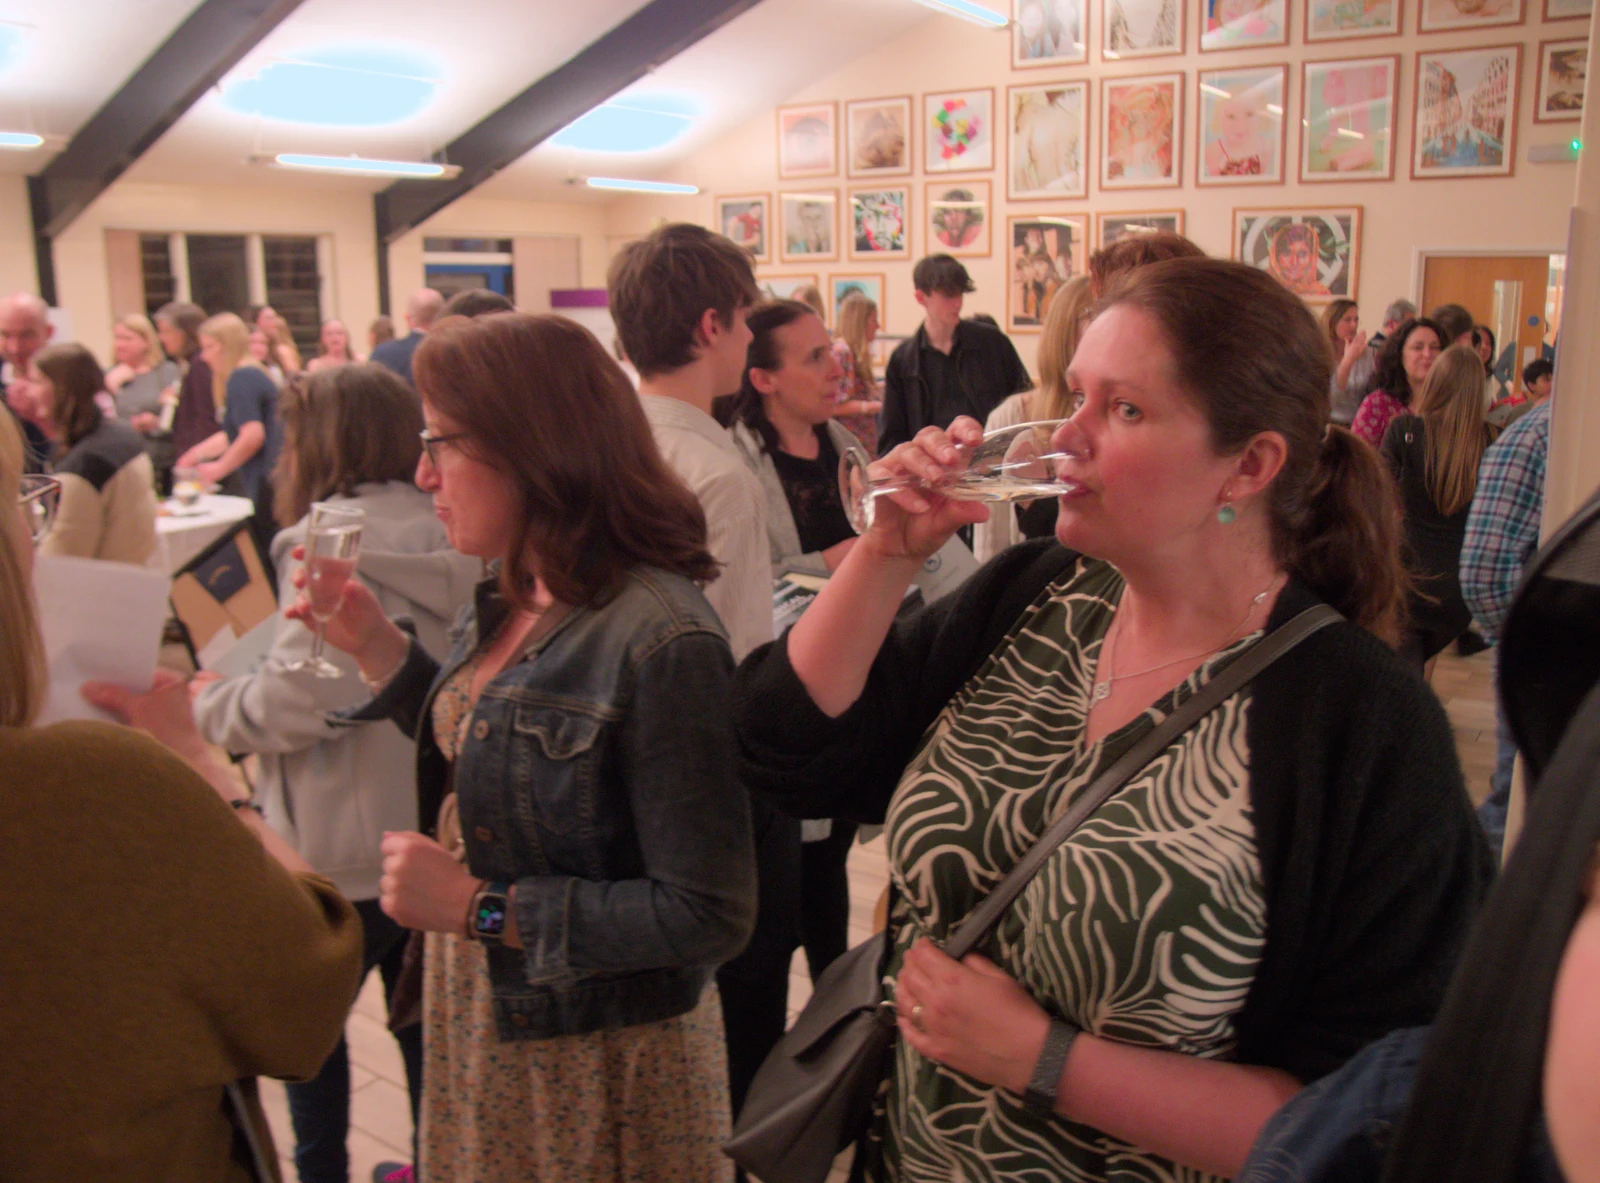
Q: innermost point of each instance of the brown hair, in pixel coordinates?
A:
(77, 378)
(1137, 250)
(1064, 322)
(662, 285)
(1254, 359)
(811, 297)
(22, 663)
(380, 330)
(187, 319)
(1331, 316)
(344, 426)
(542, 402)
(1454, 434)
(282, 349)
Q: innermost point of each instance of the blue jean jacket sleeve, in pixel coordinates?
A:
(694, 902)
(403, 696)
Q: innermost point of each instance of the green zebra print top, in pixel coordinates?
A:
(1145, 927)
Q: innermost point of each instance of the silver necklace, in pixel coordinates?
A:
(1102, 690)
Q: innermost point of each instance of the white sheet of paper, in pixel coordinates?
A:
(100, 621)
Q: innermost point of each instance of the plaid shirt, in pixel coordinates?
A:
(1503, 525)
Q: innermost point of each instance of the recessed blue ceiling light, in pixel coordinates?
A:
(629, 123)
(13, 44)
(345, 86)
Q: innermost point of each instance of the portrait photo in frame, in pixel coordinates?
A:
(1141, 29)
(1568, 10)
(958, 131)
(1347, 20)
(1108, 228)
(959, 218)
(878, 137)
(1044, 252)
(747, 220)
(808, 141)
(1048, 141)
(1141, 132)
(1243, 24)
(1241, 129)
(1347, 119)
(784, 287)
(1465, 120)
(880, 222)
(1563, 72)
(1439, 16)
(1049, 33)
(1315, 253)
(869, 285)
(808, 226)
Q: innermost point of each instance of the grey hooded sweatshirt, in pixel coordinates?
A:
(334, 791)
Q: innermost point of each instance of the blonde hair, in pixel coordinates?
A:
(1454, 433)
(139, 323)
(1063, 327)
(282, 349)
(231, 333)
(854, 312)
(22, 666)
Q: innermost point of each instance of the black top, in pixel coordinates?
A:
(812, 490)
(397, 354)
(196, 417)
(1437, 613)
(922, 386)
(1373, 862)
(100, 455)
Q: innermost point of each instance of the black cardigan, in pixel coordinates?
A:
(1373, 862)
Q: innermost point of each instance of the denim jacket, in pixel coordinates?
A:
(598, 777)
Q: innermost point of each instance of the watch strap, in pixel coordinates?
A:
(1041, 1091)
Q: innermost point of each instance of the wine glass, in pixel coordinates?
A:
(1008, 464)
(41, 497)
(333, 540)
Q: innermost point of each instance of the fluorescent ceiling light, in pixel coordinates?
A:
(14, 38)
(364, 166)
(20, 139)
(628, 186)
(638, 123)
(338, 86)
(968, 10)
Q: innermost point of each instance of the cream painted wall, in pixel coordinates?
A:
(17, 272)
(1525, 212)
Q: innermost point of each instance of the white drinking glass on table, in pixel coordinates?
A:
(1010, 464)
(333, 541)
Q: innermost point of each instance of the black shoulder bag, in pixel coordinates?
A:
(814, 1093)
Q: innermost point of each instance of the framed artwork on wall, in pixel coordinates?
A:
(878, 137)
(1241, 128)
(1141, 29)
(1466, 113)
(747, 220)
(869, 285)
(808, 141)
(1045, 252)
(1049, 33)
(959, 220)
(1437, 16)
(1347, 119)
(1315, 253)
(1141, 124)
(1048, 153)
(1563, 70)
(1568, 10)
(808, 225)
(784, 287)
(880, 223)
(1110, 227)
(1243, 24)
(1344, 20)
(958, 131)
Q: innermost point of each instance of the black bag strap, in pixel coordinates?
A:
(1239, 673)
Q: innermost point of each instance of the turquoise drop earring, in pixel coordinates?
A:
(1225, 514)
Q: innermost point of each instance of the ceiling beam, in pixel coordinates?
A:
(655, 34)
(200, 51)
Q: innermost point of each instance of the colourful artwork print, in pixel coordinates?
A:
(1238, 24)
(958, 218)
(808, 226)
(784, 287)
(1348, 132)
(1434, 15)
(1563, 73)
(1049, 140)
(879, 137)
(744, 220)
(1334, 20)
(1466, 113)
(1118, 226)
(958, 131)
(1047, 33)
(879, 223)
(1241, 126)
(870, 286)
(1313, 253)
(807, 141)
(1139, 121)
(1045, 253)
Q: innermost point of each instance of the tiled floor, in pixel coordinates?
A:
(381, 1120)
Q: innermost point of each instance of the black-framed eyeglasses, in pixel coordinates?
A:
(39, 499)
(430, 443)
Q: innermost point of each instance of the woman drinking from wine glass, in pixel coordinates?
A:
(594, 862)
(1290, 879)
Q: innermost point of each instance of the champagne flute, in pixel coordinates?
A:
(1008, 464)
(41, 497)
(333, 540)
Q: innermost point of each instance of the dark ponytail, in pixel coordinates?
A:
(1254, 359)
(764, 320)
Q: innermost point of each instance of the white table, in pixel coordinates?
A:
(182, 532)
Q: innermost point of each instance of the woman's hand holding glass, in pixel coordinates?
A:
(914, 521)
(358, 626)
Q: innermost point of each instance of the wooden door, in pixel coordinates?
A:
(1469, 280)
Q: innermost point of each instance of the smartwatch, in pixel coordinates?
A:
(1041, 1091)
(486, 920)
